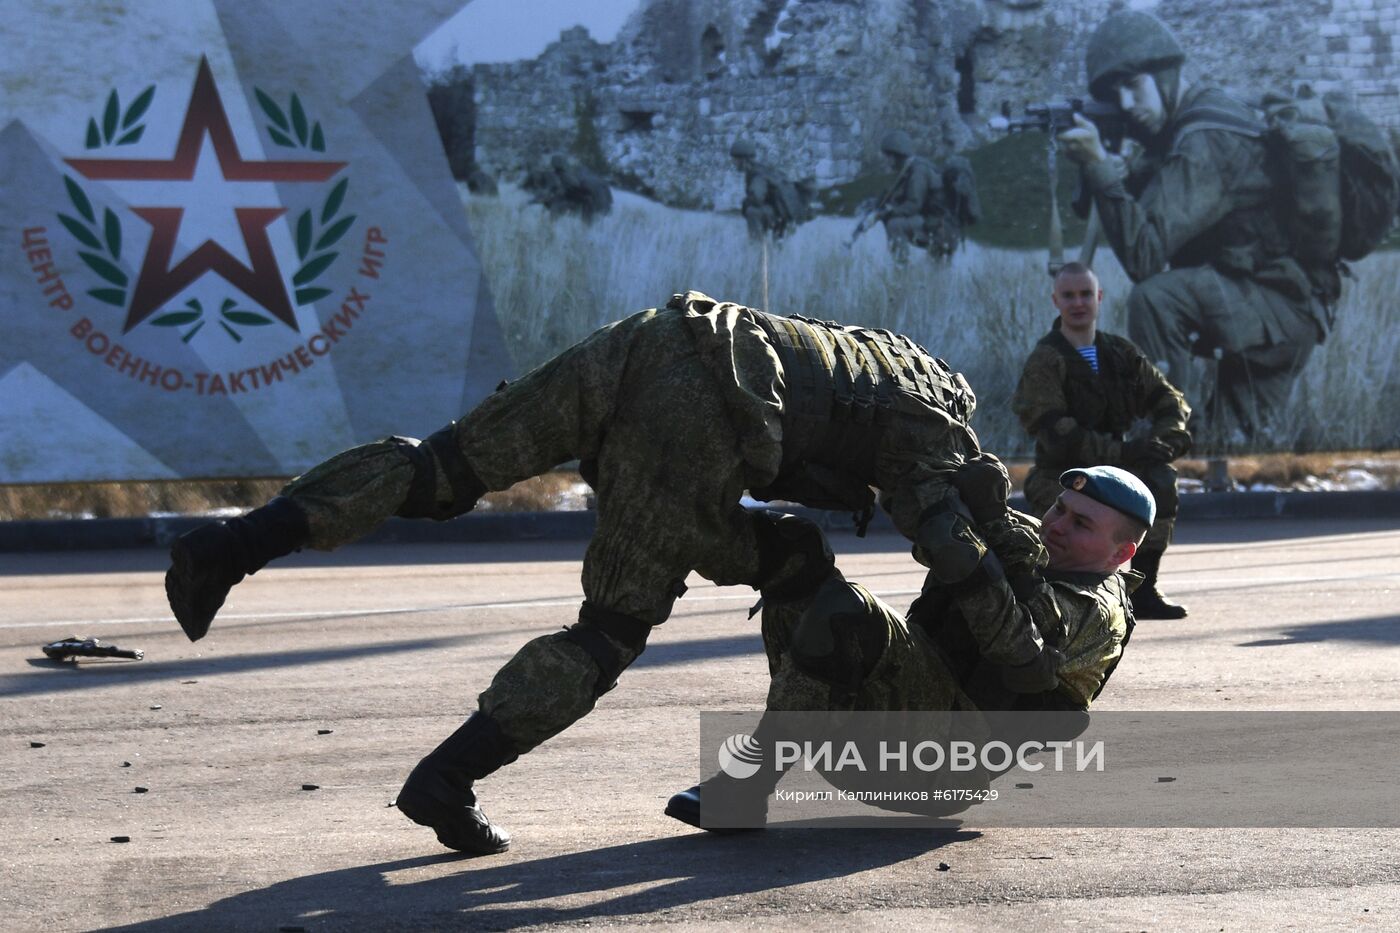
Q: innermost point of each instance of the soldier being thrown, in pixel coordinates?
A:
(672, 414)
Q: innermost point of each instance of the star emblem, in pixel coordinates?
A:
(261, 278)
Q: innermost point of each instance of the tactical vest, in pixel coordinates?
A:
(843, 385)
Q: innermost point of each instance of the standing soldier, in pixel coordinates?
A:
(1194, 221)
(672, 413)
(772, 204)
(1080, 395)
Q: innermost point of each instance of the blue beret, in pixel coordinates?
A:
(1116, 488)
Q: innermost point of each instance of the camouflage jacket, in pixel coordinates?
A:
(1086, 616)
(1078, 417)
(1201, 194)
(916, 186)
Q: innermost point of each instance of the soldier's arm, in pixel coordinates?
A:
(910, 202)
(757, 191)
(1189, 194)
(1163, 404)
(1043, 409)
(1095, 632)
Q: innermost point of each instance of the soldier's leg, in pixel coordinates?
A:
(1148, 600)
(668, 483)
(1259, 338)
(551, 415)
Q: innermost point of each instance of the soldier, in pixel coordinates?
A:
(772, 204)
(565, 187)
(915, 208)
(1193, 221)
(948, 654)
(1080, 394)
(672, 414)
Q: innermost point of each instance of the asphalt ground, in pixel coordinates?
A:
(386, 647)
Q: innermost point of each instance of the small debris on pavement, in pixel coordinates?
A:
(324, 731)
(126, 764)
(1165, 780)
(311, 787)
(85, 646)
(141, 790)
(121, 838)
(156, 706)
(944, 866)
(1025, 785)
(37, 744)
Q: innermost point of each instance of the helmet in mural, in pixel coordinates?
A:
(743, 149)
(897, 142)
(1128, 43)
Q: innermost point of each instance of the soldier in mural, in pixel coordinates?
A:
(564, 186)
(672, 414)
(1082, 396)
(948, 654)
(923, 207)
(1202, 227)
(772, 205)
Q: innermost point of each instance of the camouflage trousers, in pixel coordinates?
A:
(1258, 339)
(1043, 488)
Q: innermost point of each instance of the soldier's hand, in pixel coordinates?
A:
(984, 487)
(1147, 450)
(1036, 676)
(1082, 144)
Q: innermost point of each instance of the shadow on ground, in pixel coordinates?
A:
(1376, 630)
(576, 887)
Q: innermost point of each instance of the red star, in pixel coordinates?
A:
(158, 282)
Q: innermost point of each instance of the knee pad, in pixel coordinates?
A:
(793, 556)
(440, 452)
(841, 635)
(596, 631)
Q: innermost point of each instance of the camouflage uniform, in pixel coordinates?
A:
(1079, 418)
(946, 654)
(905, 214)
(673, 413)
(1194, 224)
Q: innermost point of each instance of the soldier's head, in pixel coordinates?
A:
(1077, 295)
(1098, 521)
(743, 151)
(897, 146)
(1133, 60)
(559, 161)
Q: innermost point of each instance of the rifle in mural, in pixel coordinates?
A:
(871, 212)
(1056, 116)
(1053, 118)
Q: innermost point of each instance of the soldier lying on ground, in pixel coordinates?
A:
(842, 648)
(672, 413)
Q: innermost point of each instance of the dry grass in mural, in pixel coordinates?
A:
(554, 281)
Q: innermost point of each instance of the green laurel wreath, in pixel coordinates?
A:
(107, 241)
(313, 237)
(282, 130)
(229, 314)
(114, 121)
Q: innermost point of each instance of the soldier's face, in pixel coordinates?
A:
(1077, 297)
(1141, 100)
(1082, 534)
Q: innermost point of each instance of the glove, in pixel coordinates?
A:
(1037, 675)
(984, 487)
(1147, 450)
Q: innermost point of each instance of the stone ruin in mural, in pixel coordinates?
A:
(815, 82)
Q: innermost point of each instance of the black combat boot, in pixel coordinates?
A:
(733, 805)
(1148, 601)
(438, 793)
(207, 562)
